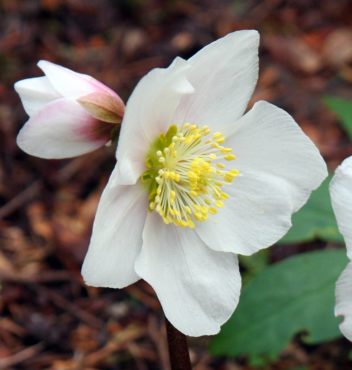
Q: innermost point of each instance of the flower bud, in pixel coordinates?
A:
(69, 113)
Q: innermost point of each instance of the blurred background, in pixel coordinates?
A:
(48, 318)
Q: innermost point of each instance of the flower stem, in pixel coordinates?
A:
(178, 348)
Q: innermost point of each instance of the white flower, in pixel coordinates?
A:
(178, 208)
(70, 113)
(341, 199)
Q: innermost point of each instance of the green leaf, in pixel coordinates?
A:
(315, 220)
(254, 264)
(343, 109)
(290, 297)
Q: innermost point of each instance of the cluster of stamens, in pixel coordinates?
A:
(186, 173)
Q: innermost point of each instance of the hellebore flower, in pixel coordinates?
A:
(197, 182)
(69, 113)
(341, 199)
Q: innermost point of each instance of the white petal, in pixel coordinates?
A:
(257, 214)
(71, 84)
(279, 169)
(344, 301)
(62, 129)
(35, 93)
(341, 199)
(198, 288)
(224, 74)
(117, 237)
(149, 113)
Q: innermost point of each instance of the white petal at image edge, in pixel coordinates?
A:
(341, 199)
(198, 288)
(62, 129)
(279, 168)
(35, 93)
(116, 238)
(343, 305)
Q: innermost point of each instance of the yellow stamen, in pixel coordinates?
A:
(185, 174)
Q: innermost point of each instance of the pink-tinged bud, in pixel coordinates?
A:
(104, 107)
(70, 113)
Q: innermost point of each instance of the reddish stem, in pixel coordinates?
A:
(178, 348)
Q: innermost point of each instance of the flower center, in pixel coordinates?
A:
(185, 174)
